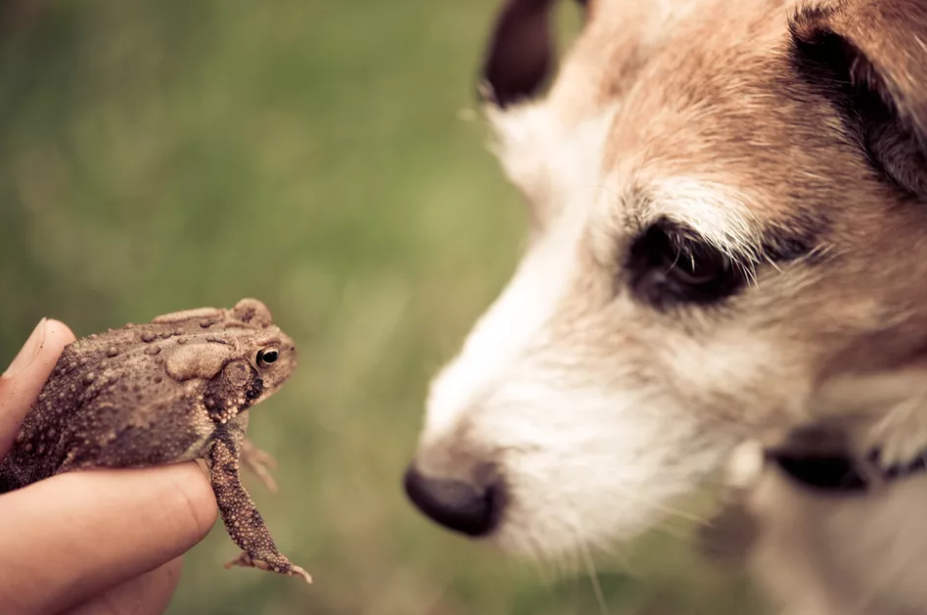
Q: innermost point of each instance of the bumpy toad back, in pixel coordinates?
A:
(168, 391)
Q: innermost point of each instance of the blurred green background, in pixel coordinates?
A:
(165, 154)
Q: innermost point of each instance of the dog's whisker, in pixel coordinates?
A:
(667, 510)
(618, 552)
(772, 263)
(593, 577)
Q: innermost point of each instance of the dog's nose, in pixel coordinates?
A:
(459, 506)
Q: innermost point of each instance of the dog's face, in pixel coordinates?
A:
(728, 213)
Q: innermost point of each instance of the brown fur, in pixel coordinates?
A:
(735, 96)
(720, 96)
(789, 135)
(830, 144)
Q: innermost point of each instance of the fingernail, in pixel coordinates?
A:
(28, 352)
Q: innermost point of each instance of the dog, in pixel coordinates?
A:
(728, 230)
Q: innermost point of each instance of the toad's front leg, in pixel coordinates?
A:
(260, 462)
(242, 519)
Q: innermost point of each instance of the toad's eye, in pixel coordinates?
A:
(267, 357)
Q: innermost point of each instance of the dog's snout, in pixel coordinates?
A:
(467, 508)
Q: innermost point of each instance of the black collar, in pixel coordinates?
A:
(837, 473)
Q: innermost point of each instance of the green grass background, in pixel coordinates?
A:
(166, 154)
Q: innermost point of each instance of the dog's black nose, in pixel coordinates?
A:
(459, 506)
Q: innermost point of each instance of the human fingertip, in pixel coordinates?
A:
(45, 342)
(29, 350)
(58, 332)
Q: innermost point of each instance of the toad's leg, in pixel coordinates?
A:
(260, 462)
(242, 519)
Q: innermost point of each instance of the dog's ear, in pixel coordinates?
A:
(520, 51)
(871, 59)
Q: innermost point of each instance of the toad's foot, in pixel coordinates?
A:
(282, 567)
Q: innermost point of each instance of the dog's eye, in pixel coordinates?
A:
(669, 265)
(695, 265)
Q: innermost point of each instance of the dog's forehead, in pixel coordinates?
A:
(623, 37)
(700, 116)
(719, 131)
(705, 95)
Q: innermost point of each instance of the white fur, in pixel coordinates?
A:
(554, 165)
(596, 408)
(500, 335)
(578, 440)
(579, 453)
(826, 555)
(551, 160)
(719, 213)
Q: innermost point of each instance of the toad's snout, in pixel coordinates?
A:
(468, 507)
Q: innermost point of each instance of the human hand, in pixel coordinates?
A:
(89, 543)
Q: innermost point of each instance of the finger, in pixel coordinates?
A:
(146, 594)
(67, 538)
(23, 380)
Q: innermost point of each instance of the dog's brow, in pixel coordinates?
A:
(727, 220)
(718, 214)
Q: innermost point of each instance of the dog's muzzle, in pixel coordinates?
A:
(468, 508)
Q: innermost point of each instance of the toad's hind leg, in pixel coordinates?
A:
(242, 519)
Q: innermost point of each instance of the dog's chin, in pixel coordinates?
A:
(565, 529)
(564, 510)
